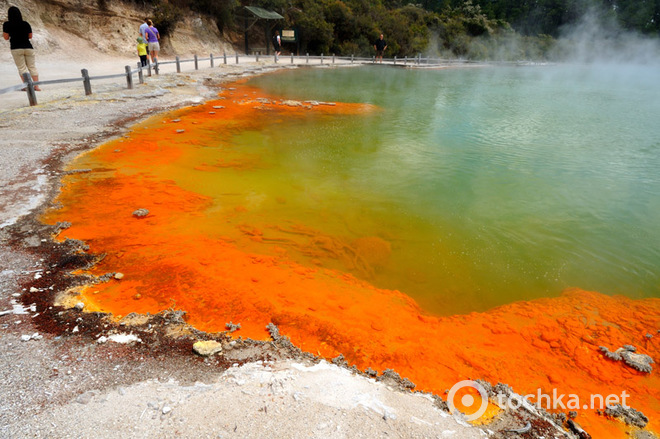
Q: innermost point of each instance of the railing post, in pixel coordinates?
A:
(256, 54)
(236, 57)
(178, 64)
(140, 75)
(321, 58)
(394, 59)
(196, 63)
(86, 82)
(333, 58)
(292, 58)
(224, 55)
(32, 96)
(129, 78)
(405, 60)
(211, 58)
(156, 69)
(275, 58)
(352, 56)
(308, 58)
(148, 68)
(373, 59)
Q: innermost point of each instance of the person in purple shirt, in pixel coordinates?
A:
(19, 34)
(153, 38)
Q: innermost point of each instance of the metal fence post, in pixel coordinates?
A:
(236, 57)
(394, 59)
(140, 75)
(148, 68)
(86, 82)
(275, 58)
(129, 77)
(156, 69)
(257, 55)
(405, 60)
(308, 58)
(352, 56)
(373, 59)
(32, 96)
(321, 58)
(224, 55)
(292, 58)
(178, 64)
(196, 63)
(211, 58)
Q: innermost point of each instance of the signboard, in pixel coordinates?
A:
(289, 36)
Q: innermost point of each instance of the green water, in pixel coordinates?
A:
(490, 184)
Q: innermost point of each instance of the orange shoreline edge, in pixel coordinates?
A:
(168, 261)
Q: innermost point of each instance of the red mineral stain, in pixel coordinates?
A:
(170, 261)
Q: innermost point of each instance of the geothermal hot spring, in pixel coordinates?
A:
(499, 223)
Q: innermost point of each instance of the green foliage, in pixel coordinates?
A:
(166, 16)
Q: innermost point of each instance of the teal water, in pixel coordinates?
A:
(491, 184)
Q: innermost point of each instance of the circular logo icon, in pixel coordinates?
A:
(468, 400)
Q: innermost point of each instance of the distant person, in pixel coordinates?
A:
(277, 43)
(19, 34)
(142, 51)
(380, 47)
(153, 38)
(143, 31)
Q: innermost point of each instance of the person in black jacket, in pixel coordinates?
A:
(380, 47)
(19, 34)
(277, 43)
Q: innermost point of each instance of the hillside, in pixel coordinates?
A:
(78, 28)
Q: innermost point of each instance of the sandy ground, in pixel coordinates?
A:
(62, 382)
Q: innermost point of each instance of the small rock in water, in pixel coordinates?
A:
(218, 107)
(180, 131)
(119, 276)
(207, 348)
(80, 306)
(140, 213)
(233, 326)
(640, 362)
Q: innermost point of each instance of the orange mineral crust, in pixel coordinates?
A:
(184, 255)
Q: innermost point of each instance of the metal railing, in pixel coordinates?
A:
(29, 85)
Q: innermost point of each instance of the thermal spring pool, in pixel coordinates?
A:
(499, 223)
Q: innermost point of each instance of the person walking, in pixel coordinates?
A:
(380, 47)
(19, 34)
(153, 38)
(277, 43)
(142, 51)
(143, 31)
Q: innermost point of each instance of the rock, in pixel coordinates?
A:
(180, 131)
(232, 327)
(102, 339)
(119, 276)
(218, 107)
(628, 415)
(140, 213)
(86, 397)
(166, 410)
(579, 431)
(640, 362)
(26, 337)
(80, 306)
(206, 348)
